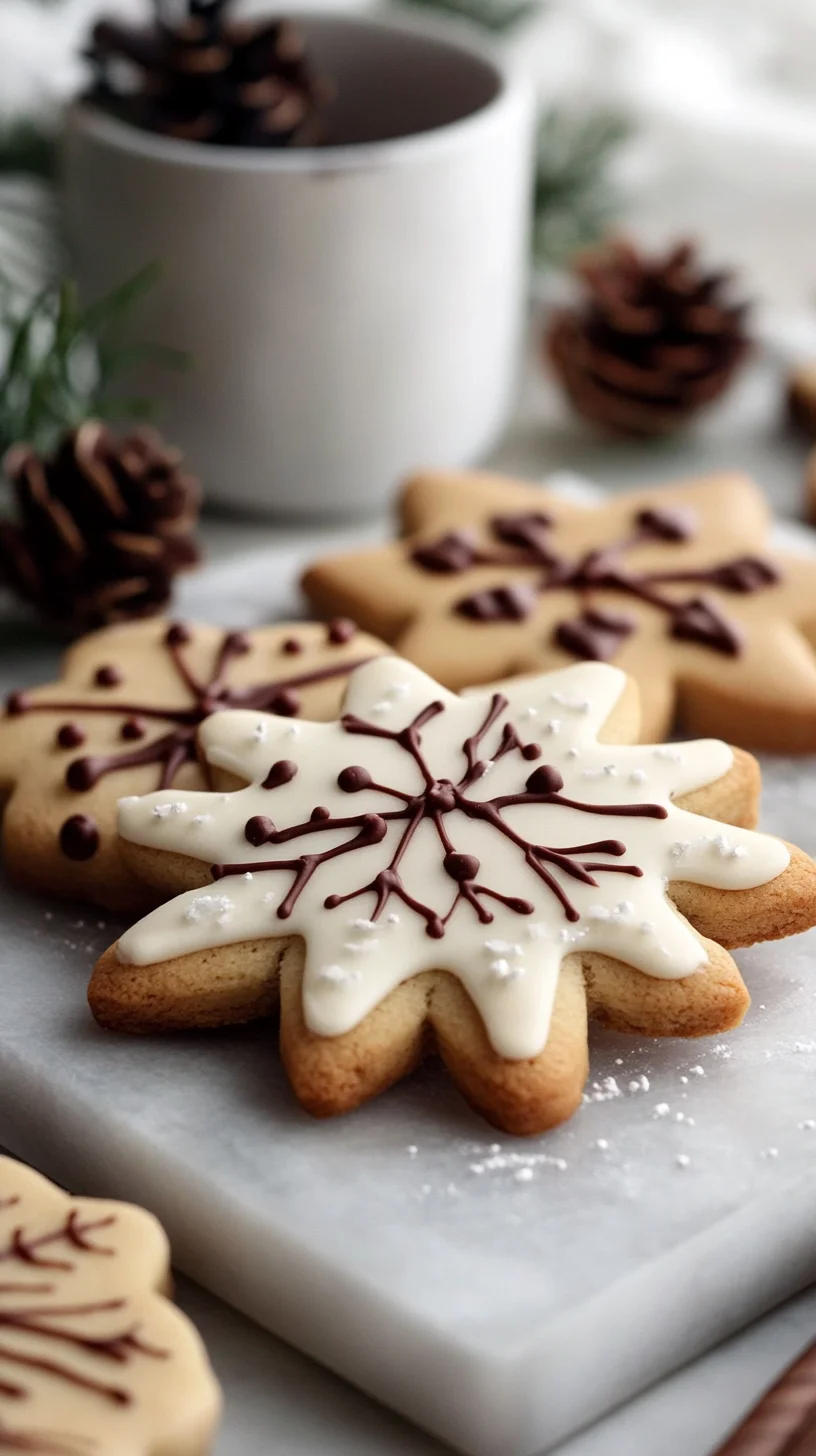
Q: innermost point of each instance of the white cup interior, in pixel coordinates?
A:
(392, 82)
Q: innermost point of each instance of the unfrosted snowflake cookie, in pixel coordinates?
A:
(94, 1359)
(123, 720)
(676, 586)
(474, 873)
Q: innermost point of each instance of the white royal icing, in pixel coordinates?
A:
(354, 956)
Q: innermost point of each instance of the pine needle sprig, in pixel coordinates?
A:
(575, 198)
(58, 360)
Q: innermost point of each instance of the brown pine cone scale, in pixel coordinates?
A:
(103, 526)
(651, 342)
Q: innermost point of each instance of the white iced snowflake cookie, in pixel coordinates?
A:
(468, 857)
(94, 1360)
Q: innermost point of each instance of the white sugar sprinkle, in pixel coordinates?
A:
(721, 1050)
(163, 811)
(573, 753)
(661, 1110)
(524, 1175)
(399, 689)
(682, 1160)
(382, 707)
(553, 726)
(201, 819)
(669, 754)
(769, 1153)
(248, 876)
(365, 925)
(638, 776)
(337, 975)
(808, 1125)
(259, 732)
(356, 946)
(529, 713)
(393, 919)
(646, 927)
(536, 931)
(291, 730)
(209, 907)
(602, 1143)
(696, 1071)
(412, 1150)
(679, 848)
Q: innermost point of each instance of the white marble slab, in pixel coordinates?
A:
(398, 1246)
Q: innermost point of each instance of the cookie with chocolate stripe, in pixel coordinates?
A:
(678, 586)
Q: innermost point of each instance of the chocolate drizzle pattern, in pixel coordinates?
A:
(489, 835)
(30, 1305)
(79, 838)
(526, 540)
(434, 801)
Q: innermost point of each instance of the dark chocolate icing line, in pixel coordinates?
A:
(438, 798)
(695, 619)
(44, 1320)
(40, 1443)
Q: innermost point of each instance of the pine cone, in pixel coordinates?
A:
(653, 340)
(103, 526)
(209, 79)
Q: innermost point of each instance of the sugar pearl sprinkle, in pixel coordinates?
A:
(337, 975)
(259, 732)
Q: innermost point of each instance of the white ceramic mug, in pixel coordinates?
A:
(353, 311)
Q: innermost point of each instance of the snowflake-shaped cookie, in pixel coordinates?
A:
(677, 586)
(425, 846)
(94, 1360)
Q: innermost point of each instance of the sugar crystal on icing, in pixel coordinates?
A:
(682, 1160)
(163, 811)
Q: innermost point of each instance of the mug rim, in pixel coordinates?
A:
(511, 90)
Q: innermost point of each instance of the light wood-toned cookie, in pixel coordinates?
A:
(473, 875)
(677, 586)
(123, 720)
(93, 1356)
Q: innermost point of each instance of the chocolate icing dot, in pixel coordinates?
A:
(292, 646)
(531, 750)
(258, 829)
(320, 812)
(340, 630)
(281, 772)
(545, 780)
(354, 778)
(132, 728)
(178, 634)
(461, 866)
(108, 676)
(285, 704)
(70, 735)
(80, 775)
(17, 703)
(79, 837)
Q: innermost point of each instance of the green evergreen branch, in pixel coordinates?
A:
(574, 198)
(57, 360)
